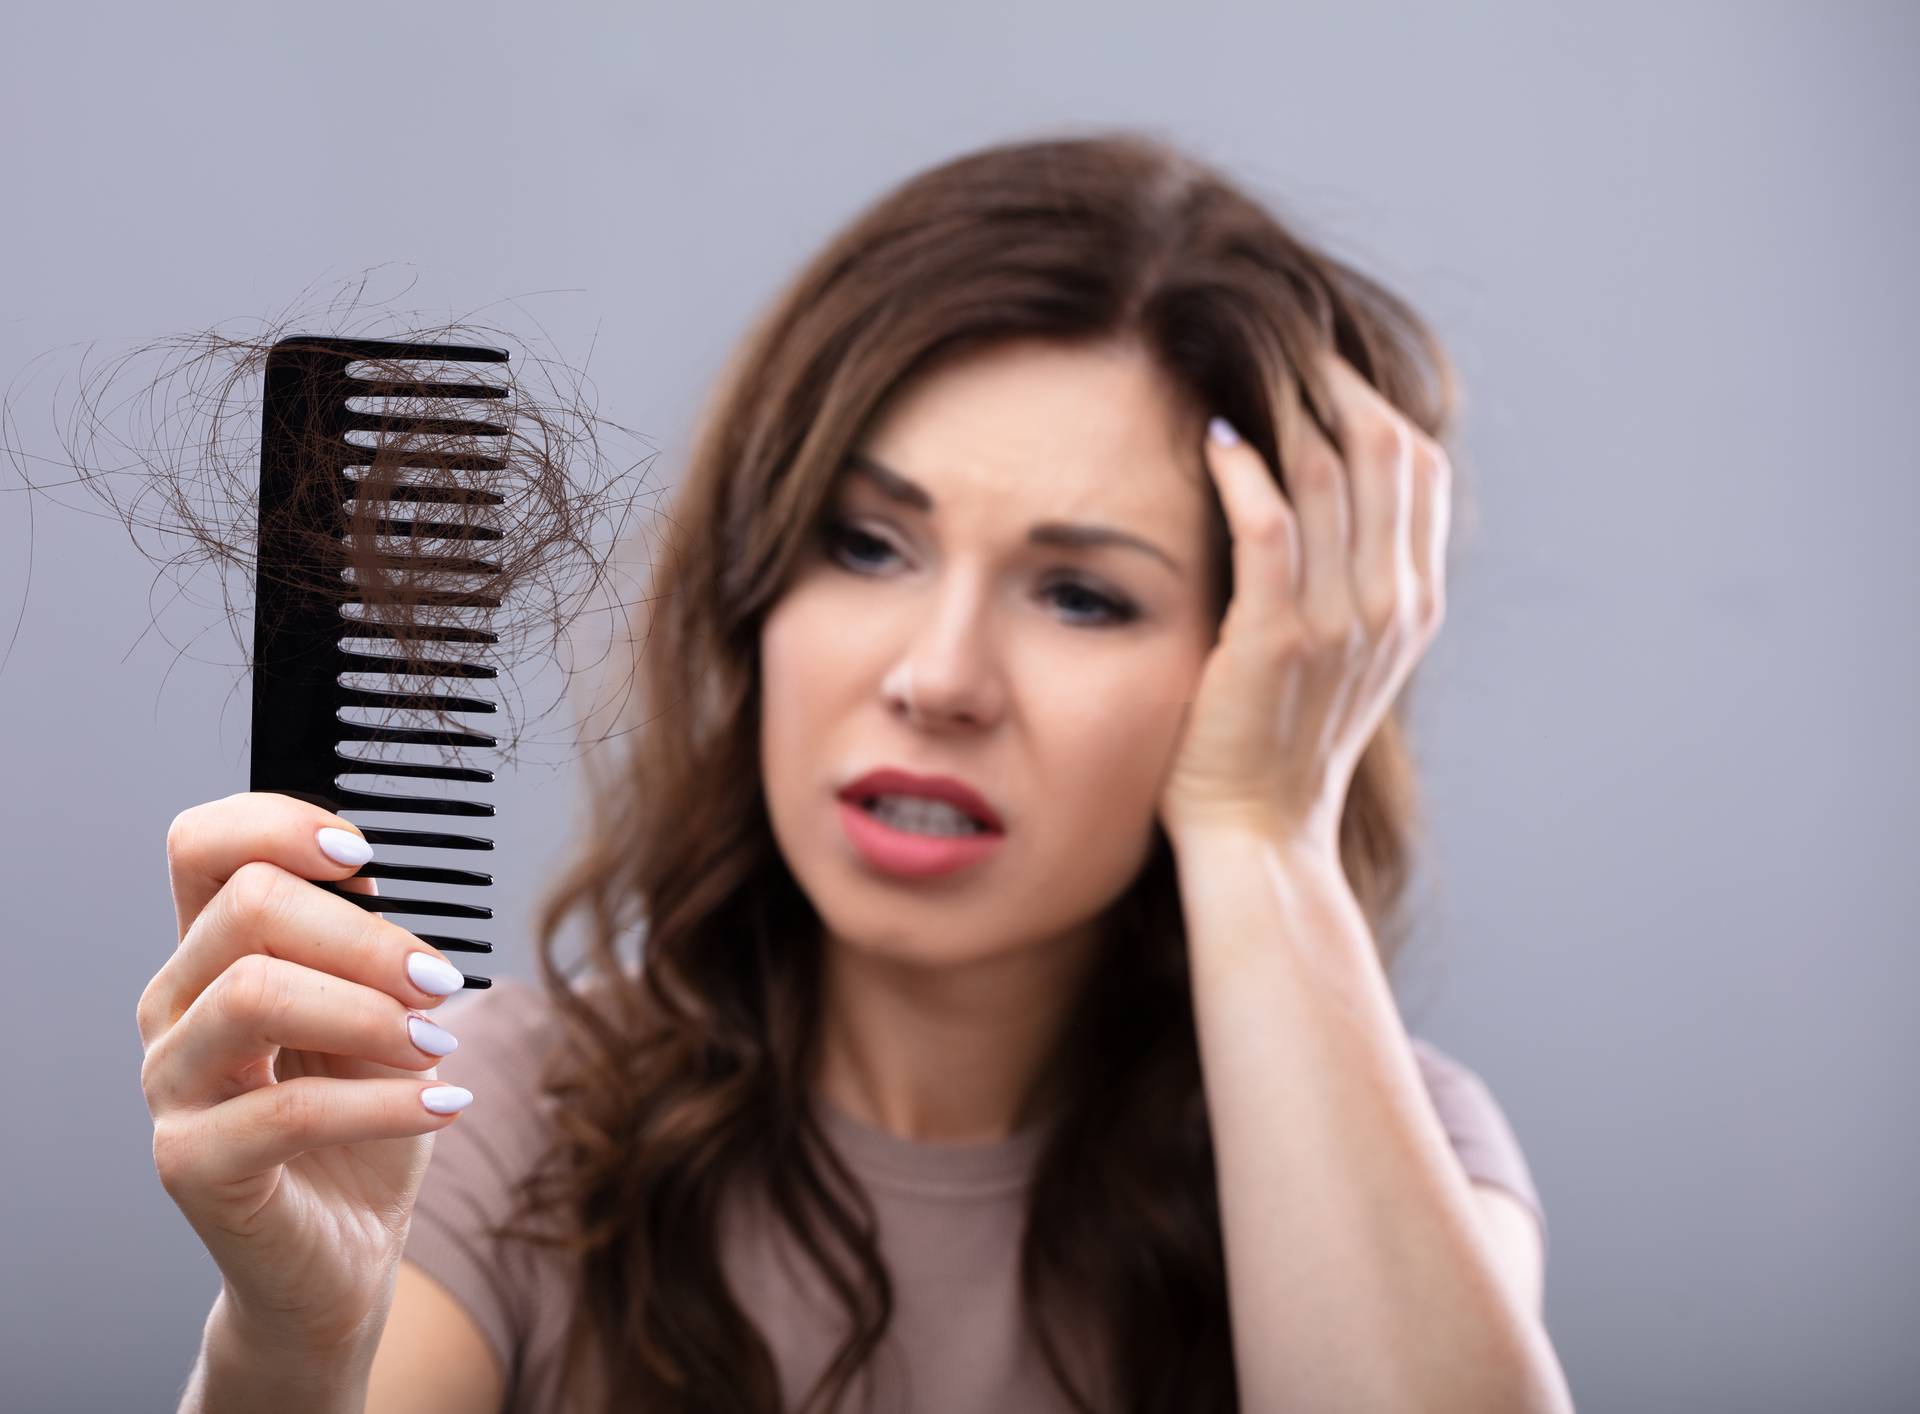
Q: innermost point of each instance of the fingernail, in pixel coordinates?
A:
(430, 974)
(1222, 432)
(446, 1099)
(343, 846)
(434, 1040)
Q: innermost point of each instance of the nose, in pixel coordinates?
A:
(949, 672)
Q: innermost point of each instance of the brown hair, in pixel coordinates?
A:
(676, 1081)
(435, 517)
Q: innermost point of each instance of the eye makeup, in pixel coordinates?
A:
(849, 546)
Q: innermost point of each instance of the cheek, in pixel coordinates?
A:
(1115, 740)
(804, 646)
(1096, 807)
(805, 672)
(785, 699)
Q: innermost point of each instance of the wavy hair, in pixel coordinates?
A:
(679, 1079)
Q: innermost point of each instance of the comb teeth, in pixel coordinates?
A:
(440, 633)
(415, 426)
(299, 630)
(439, 529)
(435, 667)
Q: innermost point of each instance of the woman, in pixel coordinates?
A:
(1104, 1104)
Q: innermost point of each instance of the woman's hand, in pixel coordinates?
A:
(285, 1069)
(1331, 609)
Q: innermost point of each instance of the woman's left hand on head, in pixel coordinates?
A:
(1333, 604)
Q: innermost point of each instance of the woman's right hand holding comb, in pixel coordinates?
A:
(289, 1096)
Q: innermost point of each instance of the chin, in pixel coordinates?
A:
(885, 932)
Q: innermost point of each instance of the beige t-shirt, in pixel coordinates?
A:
(950, 1222)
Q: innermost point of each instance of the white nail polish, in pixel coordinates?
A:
(434, 1040)
(430, 974)
(1222, 432)
(343, 846)
(446, 1099)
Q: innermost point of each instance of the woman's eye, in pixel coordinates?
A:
(840, 533)
(841, 536)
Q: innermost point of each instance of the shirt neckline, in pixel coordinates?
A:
(918, 1168)
(932, 1168)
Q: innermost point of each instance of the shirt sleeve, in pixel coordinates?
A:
(480, 1158)
(1477, 1127)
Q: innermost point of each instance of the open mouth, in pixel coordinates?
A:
(919, 848)
(918, 816)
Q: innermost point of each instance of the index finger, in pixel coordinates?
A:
(207, 843)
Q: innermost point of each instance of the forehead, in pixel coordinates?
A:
(1041, 427)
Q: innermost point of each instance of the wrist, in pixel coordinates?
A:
(1292, 851)
(270, 1365)
(264, 1332)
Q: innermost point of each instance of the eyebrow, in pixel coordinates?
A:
(1052, 532)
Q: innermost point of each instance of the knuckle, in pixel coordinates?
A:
(257, 892)
(1378, 613)
(1315, 470)
(151, 1089)
(174, 1155)
(1323, 630)
(294, 1108)
(252, 989)
(1268, 528)
(1286, 641)
(180, 834)
(1388, 440)
(146, 1013)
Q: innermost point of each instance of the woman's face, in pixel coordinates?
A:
(1050, 678)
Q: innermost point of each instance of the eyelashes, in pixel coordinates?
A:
(837, 536)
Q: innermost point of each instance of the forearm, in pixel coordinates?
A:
(238, 1370)
(1357, 1279)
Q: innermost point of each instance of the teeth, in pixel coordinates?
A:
(921, 816)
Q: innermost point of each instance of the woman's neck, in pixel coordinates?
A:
(957, 1054)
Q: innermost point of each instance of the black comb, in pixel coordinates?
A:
(298, 625)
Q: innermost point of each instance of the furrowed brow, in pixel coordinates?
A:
(1068, 535)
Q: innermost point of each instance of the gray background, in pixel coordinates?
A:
(1669, 917)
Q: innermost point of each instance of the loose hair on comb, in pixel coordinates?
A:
(526, 504)
(362, 442)
(669, 1084)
